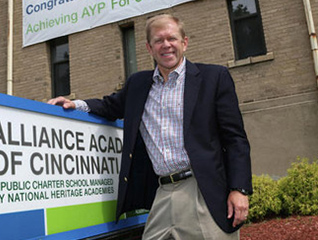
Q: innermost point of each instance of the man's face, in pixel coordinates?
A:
(167, 46)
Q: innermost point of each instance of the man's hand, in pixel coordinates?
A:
(237, 204)
(62, 101)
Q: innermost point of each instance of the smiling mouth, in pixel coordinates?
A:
(167, 54)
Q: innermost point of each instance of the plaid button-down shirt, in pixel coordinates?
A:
(162, 123)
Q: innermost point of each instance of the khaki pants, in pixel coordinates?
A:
(179, 212)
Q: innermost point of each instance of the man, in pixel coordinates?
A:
(186, 155)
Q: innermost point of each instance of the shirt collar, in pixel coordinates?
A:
(173, 75)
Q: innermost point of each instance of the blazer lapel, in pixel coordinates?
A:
(142, 92)
(191, 90)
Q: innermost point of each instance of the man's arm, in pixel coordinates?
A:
(237, 149)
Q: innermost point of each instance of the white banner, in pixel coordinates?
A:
(48, 19)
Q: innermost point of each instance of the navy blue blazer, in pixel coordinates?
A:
(214, 139)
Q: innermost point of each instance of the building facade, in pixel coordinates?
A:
(266, 46)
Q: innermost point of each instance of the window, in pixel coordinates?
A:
(247, 28)
(60, 67)
(129, 50)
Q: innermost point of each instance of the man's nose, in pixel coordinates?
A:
(166, 43)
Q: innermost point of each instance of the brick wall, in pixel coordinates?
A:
(291, 71)
(97, 64)
(31, 74)
(3, 45)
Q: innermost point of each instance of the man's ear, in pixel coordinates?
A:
(185, 43)
(149, 48)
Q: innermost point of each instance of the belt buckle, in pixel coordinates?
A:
(171, 178)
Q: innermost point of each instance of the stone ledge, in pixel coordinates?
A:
(279, 102)
(251, 60)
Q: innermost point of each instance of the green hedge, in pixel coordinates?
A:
(296, 193)
(265, 201)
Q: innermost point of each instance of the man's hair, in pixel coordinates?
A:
(155, 22)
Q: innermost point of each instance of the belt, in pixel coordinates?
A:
(175, 177)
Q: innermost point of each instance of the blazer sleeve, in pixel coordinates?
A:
(111, 107)
(233, 136)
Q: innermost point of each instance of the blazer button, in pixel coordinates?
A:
(130, 156)
(126, 179)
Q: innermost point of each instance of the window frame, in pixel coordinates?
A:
(234, 19)
(127, 51)
(55, 63)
